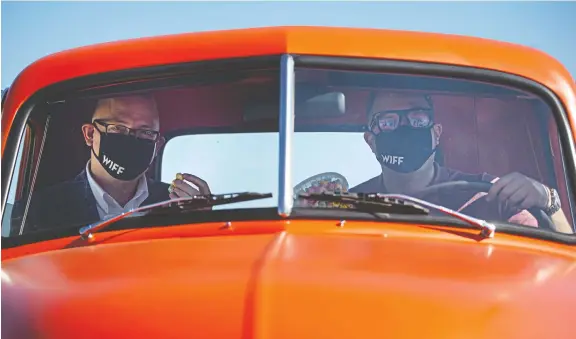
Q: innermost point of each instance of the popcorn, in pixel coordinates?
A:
(325, 182)
(179, 176)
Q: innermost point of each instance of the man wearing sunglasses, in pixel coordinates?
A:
(124, 138)
(404, 137)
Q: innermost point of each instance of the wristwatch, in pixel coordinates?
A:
(553, 202)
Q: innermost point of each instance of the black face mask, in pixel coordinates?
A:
(405, 149)
(125, 157)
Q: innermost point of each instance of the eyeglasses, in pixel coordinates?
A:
(387, 121)
(121, 129)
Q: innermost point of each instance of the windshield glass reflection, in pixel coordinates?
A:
(417, 136)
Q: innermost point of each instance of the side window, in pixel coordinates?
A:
(21, 178)
(4, 92)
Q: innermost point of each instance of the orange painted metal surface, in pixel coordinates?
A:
(296, 279)
(331, 41)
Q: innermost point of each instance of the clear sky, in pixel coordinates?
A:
(32, 30)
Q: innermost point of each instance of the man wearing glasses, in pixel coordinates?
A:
(124, 139)
(404, 137)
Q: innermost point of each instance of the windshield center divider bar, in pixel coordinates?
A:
(287, 84)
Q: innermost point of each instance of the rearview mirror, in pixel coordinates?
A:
(330, 104)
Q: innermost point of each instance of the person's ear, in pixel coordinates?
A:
(370, 141)
(88, 133)
(437, 132)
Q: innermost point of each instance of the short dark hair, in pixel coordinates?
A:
(106, 100)
(372, 98)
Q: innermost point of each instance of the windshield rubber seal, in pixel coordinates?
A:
(319, 62)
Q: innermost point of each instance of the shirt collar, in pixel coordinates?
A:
(102, 196)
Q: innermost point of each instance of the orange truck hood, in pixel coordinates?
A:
(291, 285)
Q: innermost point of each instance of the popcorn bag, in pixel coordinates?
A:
(324, 182)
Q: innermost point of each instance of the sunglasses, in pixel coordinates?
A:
(387, 121)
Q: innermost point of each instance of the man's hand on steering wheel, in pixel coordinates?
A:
(520, 191)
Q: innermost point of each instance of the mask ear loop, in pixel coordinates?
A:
(92, 146)
(437, 139)
(154, 152)
(369, 105)
(431, 105)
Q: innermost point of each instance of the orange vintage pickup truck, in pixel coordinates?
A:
(290, 182)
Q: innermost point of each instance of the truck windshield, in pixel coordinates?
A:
(488, 151)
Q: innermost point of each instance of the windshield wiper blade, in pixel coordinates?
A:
(182, 204)
(397, 204)
(371, 202)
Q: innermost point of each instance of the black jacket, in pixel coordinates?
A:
(70, 203)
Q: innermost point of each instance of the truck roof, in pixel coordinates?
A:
(305, 40)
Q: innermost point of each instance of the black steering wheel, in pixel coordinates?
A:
(544, 220)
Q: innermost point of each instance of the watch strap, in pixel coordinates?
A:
(553, 202)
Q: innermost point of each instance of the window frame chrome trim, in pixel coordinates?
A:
(286, 133)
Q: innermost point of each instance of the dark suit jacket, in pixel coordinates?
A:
(70, 203)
